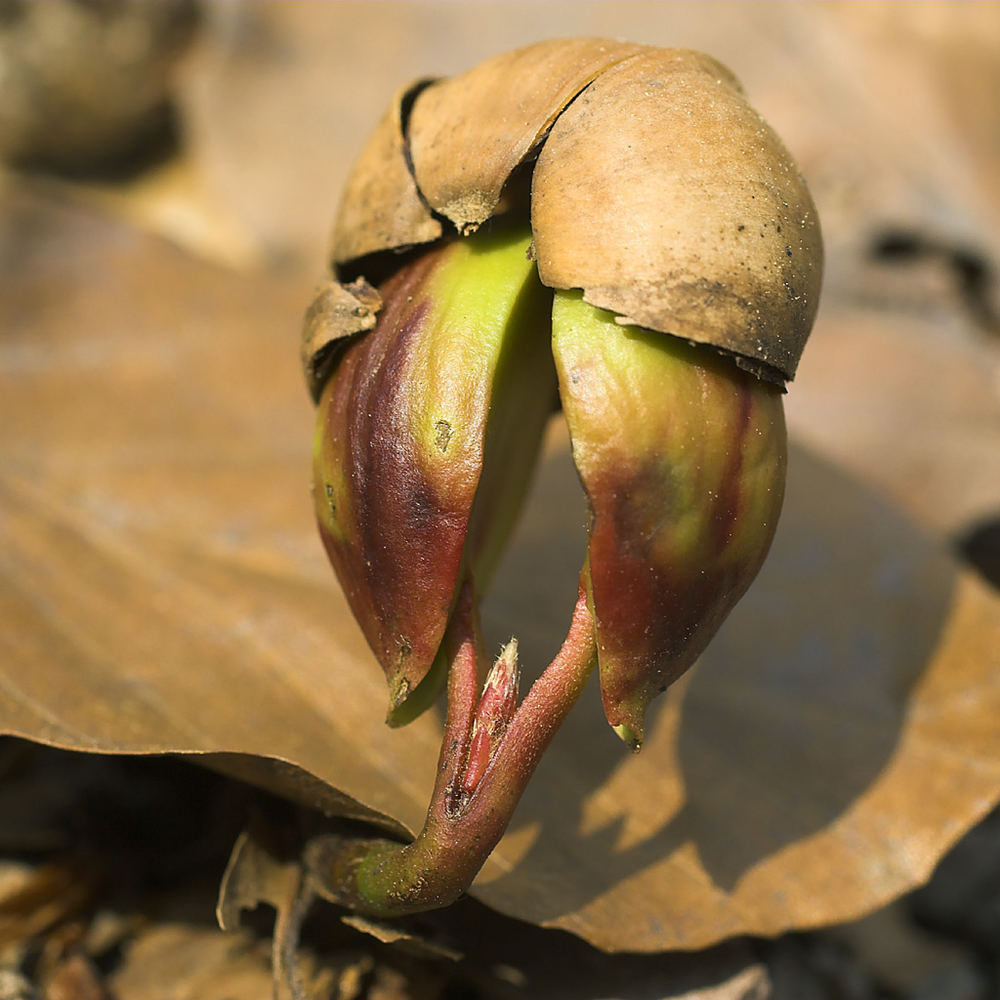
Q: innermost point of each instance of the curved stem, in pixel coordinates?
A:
(383, 878)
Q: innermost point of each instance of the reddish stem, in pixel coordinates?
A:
(462, 825)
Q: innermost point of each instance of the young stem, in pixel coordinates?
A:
(384, 878)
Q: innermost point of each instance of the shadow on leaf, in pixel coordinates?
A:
(790, 716)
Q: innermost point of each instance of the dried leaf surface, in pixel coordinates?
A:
(187, 963)
(161, 588)
(159, 941)
(809, 739)
(156, 517)
(921, 417)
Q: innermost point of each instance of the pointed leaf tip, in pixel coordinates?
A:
(628, 736)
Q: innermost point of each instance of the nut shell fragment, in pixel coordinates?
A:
(338, 312)
(468, 134)
(657, 190)
(669, 200)
(380, 208)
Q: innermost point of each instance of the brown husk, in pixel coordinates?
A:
(469, 133)
(669, 200)
(338, 312)
(658, 189)
(380, 208)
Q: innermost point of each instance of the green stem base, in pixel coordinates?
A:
(387, 879)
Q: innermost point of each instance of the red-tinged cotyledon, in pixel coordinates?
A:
(602, 228)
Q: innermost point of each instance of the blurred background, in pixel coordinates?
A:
(229, 128)
(225, 130)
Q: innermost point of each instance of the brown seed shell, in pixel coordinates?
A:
(469, 133)
(670, 201)
(658, 190)
(380, 208)
(338, 312)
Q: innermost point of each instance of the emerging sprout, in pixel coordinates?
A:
(659, 280)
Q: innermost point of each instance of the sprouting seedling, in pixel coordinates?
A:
(659, 281)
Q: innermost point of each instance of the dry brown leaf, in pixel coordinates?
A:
(161, 589)
(820, 724)
(920, 417)
(901, 382)
(75, 978)
(391, 933)
(253, 876)
(182, 962)
(111, 403)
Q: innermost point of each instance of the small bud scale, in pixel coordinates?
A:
(496, 708)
